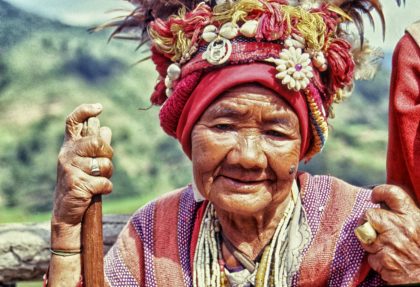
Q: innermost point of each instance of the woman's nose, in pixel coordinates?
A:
(248, 153)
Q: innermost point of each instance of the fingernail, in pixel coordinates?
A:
(97, 106)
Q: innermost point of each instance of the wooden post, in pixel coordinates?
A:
(92, 244)
(92, 239)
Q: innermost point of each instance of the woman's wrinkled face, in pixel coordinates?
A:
(243, 147)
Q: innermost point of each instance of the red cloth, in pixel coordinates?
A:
(216, 82)
(404, 118)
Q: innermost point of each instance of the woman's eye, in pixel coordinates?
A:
(274, 133)
(223, 127)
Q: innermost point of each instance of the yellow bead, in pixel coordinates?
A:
(259, 281)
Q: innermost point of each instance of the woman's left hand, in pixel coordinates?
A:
(395, 254)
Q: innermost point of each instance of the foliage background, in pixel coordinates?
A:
(47, 68)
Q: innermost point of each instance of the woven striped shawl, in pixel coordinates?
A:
(154, 248)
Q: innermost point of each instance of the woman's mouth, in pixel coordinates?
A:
(243, 184)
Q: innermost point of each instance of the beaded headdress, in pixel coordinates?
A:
(307, 41)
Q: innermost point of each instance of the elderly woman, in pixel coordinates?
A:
(246, 87)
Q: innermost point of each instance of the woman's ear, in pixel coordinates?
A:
(292, 169)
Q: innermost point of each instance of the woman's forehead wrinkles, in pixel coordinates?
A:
(281, 119)
(227, 111)
(236, 110)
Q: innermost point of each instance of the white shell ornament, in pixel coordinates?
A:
(309, 4)
(174, 71)
(295, 41)
(209, 36)
(323, 68)
(168, 92)
(210, 28)
(229, 31)
(168, 82)
(209, 33)
(249, 28)
(320, 62)
(218, 51)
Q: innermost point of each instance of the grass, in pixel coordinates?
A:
(30, 284)
(116, 206)
(17, 215)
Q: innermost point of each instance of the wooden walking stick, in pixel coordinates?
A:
(92, 242)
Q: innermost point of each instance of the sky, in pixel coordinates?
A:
(91, 12)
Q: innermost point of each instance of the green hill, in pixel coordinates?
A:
(47, 69)
(45, 75)
(17, 25)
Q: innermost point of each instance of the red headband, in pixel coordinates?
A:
(216, 82)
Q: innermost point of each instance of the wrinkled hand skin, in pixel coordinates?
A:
(395, 254)
(75, 185)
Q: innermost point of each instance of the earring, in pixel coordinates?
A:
(292, 169)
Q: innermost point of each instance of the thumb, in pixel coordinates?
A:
(393, 197)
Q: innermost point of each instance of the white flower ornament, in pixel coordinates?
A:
(294, 68)
(173, 73)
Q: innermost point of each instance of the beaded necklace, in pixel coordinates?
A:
(208, 260)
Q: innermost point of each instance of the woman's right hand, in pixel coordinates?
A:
(75, 182)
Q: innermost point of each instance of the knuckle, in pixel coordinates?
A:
(103, 186)
(379, 187)
(101, 144)
(370, 213)
(82, 108)
(69, 119)
(110, 186)
(376, 246)
(394, 189)
(95, 142)
(408, 205)
(107, 188)
(397, 193)
(108, 168)
(102, 148)
(388, 191)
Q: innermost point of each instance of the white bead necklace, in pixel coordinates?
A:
(207, 270)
